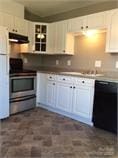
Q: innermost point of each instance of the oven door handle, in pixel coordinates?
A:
(22, 99)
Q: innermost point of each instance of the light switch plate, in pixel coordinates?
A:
(68, 62)
(98, 63)
(25, 60)
(116, 64)
(57, 62)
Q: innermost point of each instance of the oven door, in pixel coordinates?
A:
(22, 86)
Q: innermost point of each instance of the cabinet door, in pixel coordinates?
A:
(41, 88)
(51, 93)
(31, 36)
(3, 41)
(64, 97)
(1, 19)
(8, 21)
(20, 26)
(51, 38)
(95, 21)
(76, 24)
(83, 101)
(112, 33)
(60, 39)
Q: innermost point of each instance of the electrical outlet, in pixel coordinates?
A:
(57, 62)
(25, 60)
(116, 64)
(98, 63)
(69, 62)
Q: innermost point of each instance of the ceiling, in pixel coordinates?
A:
(45, 8)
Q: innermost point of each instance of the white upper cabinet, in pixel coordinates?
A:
(8, 21)
(3, 41)
(1, 19)
(112, 32)
(93, 21)
(20, 26)
(14, 24)
(60, 41)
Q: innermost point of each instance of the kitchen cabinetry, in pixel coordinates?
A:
(66, 94)
(51, 93)
(41, 88)
(60, 41)
(14, 24)
(40, 37)
(82, 101)
(64, 97)
(112, 32)
(93, 21)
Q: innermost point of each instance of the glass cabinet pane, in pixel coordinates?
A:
(44, 29)
(37, 28)
(37, 47)
(43, 47)
(37, 38)
(44, 38)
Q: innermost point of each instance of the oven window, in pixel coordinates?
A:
(23, 84)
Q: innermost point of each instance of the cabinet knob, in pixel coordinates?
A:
(13, 30)
(86, 27)
(82, 27)
(64, 51)
(74, 87)
(64, 79)
(70, 86)
(16, 31)
(53, 83)
(83, 82)
(50, 77)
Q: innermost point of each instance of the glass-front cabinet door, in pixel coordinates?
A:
(40, 38)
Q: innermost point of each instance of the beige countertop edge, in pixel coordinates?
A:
(101, 78)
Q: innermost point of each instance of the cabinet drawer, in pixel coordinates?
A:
(51, 77)
(84, 81)
(65, 79)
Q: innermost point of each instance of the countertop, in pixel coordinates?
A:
(107, 76)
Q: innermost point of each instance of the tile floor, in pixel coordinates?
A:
(39, 133)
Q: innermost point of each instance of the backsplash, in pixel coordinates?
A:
(87, 50)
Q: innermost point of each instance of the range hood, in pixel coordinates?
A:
(16, 38)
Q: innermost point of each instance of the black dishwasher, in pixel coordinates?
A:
(105, 105)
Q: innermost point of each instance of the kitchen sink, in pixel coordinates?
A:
(82, 74)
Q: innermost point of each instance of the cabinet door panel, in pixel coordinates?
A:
(75, 24)
(64, 97)
(51, 94)
(1, 19)
(41, 88)
(96, 21)
(8, 21)
(82, 104)
(112, 33)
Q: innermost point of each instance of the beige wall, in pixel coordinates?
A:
(87, 50)
(10, 7)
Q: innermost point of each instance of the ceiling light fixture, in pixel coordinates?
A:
(89, 33)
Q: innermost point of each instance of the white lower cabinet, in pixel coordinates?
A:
(70, 96)
(64, 97)
(83, 101)
(51, 93)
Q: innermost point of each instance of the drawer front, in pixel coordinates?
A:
(84, 81)
(51, 77)
(65, 79)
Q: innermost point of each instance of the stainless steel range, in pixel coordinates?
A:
(22, 87)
